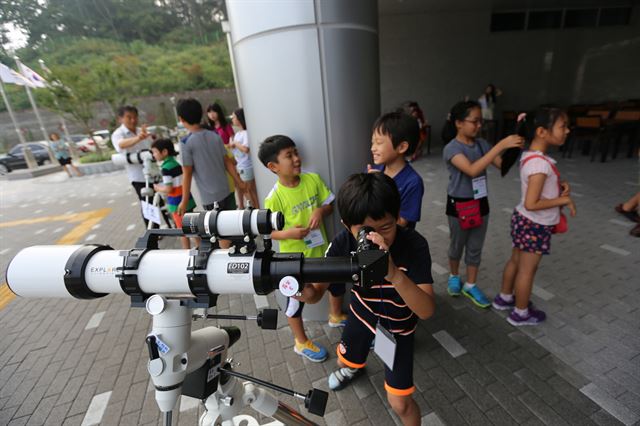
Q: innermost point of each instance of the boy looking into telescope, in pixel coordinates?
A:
(304, 200)
(388, 311)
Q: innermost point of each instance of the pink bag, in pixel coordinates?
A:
(469, 214)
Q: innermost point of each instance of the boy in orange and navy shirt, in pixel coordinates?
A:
(395, 304)
(163, 151)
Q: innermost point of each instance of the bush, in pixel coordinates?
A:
(95, 157)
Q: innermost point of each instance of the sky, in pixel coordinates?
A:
(17, 37)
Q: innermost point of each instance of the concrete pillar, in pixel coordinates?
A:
(309, 69)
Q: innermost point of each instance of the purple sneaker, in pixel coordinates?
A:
(502, 305)
(533, 317)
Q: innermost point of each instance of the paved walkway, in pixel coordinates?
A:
(62, 360)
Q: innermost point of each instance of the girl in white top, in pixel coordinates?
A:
(240, 148)
(535, 217)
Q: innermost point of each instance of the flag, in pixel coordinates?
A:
(7, 75)
(36, 79)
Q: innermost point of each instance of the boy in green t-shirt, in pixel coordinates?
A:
(304, 200)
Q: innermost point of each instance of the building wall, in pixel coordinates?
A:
(439, 55)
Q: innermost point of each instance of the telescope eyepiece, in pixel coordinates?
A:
(363, 243)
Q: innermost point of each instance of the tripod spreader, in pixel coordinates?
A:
(315, 401)
(267, 319)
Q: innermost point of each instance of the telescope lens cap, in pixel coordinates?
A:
(289, 286)
(155, 304)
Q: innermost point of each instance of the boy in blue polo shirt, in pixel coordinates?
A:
(395, 136)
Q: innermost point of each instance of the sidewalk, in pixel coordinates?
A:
(582, 366)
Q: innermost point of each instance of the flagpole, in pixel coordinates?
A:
(52, 157)
(10, 111)
(28, 158)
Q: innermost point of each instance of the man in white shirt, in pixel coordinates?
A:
(129, 138)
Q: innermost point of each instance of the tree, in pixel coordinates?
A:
(72, 95)
(146, 20)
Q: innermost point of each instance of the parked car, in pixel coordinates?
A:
(104, 134)
(14, 159)
(76, 139)
(86, 143)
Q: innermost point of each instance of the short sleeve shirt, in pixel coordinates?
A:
(550, 190)
(172, 176)
(134, 171)
(296, 205)
(459, 183)
(60, 149)
(204, 151)
(410, 253)
(460, 187)
(243, 160)
(225, 133)
(411, 190)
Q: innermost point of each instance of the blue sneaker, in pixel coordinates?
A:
(454, 285)
(477, 297)
(311, 351)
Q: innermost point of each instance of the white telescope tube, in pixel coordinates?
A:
(232, 223)
(39, 271)
(131, 158)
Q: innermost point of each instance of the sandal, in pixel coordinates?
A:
(632, 215)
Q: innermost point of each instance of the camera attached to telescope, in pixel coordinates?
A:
(171, 283)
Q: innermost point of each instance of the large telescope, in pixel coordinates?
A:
(92, 271)
(170, 283)
(122, 159)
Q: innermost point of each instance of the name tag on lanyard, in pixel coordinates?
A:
(314, 238)
(479, 186)
(385, 346)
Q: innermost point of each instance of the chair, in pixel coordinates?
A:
(602, 113)
(587, 129)
(625, 122)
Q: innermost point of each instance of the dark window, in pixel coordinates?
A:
(510, 21)
(544, 19)
(35, 147)
(614, 16)
(577, 18)
(16, 150)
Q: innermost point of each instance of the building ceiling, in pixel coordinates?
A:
(400, 7)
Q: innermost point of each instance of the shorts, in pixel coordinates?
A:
(294, 306)
(64, 161)
(528, 236)
(246, 174)
(177, 219)
(469, 240)
(227, 203)
(354, 348)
